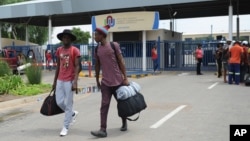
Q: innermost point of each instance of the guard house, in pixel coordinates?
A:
(136, 32)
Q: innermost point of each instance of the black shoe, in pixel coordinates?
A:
(199, 74)
(99, 134)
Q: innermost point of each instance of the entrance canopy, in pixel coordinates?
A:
(78, 12)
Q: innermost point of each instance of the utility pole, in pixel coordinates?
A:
(230, 21)
(211, 38)
(238, 22)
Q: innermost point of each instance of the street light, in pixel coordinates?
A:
(173, 26)
(174, 13)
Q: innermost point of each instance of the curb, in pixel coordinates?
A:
(41, 97)
(129, 76)
(25, 100)
(82, 74)
(139, 75)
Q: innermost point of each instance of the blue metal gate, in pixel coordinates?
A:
(172, 55)
(180, 55)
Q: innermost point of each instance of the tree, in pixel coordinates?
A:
(3, 2)
(82, 37)
(38, 35)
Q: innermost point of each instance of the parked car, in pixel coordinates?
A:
(10, 56)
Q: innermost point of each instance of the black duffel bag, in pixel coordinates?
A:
(131, 106)
(50, 107)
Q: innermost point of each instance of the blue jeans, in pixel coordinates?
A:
(234, 73)
(155, 64)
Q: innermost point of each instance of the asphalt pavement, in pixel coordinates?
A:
(181, 107)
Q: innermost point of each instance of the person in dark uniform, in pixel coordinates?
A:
(225, 57)
(218, 56)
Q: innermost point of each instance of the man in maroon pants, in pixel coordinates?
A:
(114, 75)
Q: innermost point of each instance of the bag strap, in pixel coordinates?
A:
(52, 92)
(135, 118)
(72, 54)
(113, 47)
(96, 49)
(73, 60)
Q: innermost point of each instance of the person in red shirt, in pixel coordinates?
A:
(111, 62)
(235, 56)
(66, 76)
(49, 60)
(154, 58)
(198, 56)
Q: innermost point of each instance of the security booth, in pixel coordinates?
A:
(137, 33)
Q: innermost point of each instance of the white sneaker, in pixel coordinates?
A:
(75, 116)
(64, 132)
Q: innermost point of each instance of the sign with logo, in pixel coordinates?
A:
(129, 21)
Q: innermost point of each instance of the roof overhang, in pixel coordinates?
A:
(79, 12)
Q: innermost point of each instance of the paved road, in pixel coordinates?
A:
(181, 107)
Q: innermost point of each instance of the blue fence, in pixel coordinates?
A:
(180, 55)
(172, 55)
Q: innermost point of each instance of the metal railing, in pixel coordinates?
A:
(172, 55)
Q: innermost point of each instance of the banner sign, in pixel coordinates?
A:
(129, 21)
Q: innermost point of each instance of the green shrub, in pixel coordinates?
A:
(29, 90)
(4, 68)
(13, 84)
(34, 74)
(10, 82)
(3, 86)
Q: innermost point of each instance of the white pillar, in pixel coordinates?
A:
(0, 35)
(144, 57)
(50, 31)
(111, 36)
(26, 35)
(230, 30)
